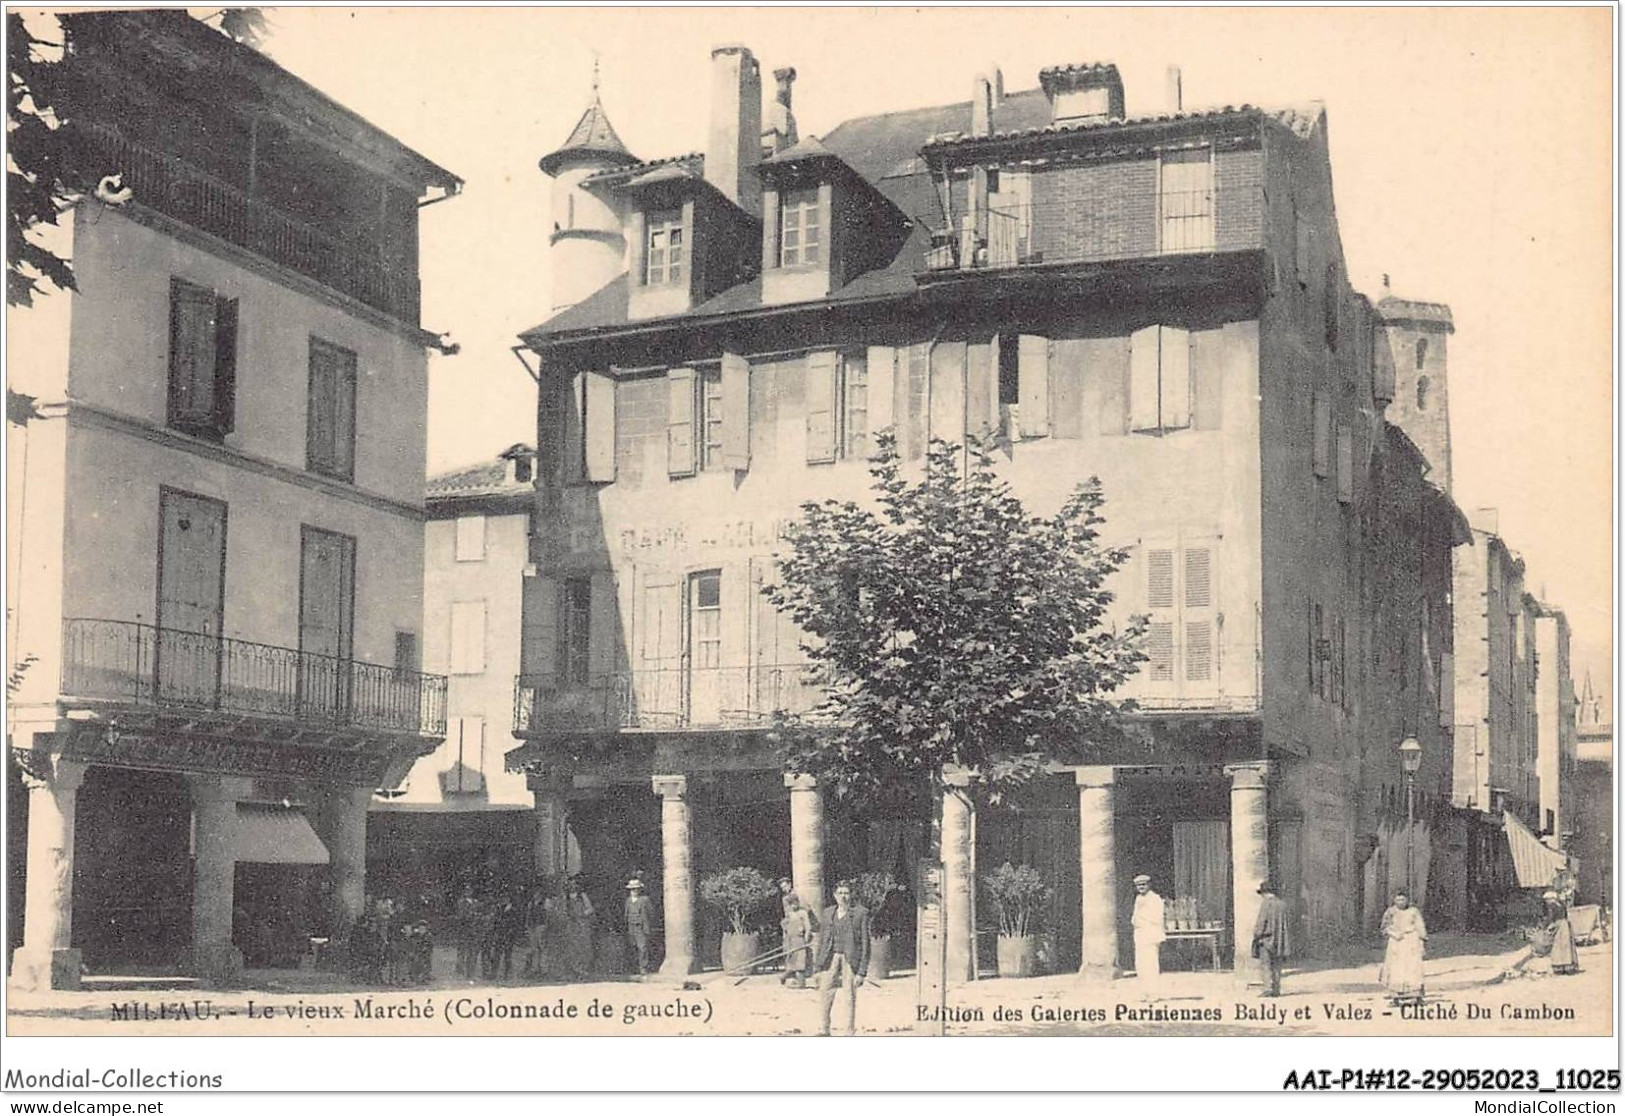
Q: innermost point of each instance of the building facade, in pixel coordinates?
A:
(1159, 300)
(219, 577)
(460, 820)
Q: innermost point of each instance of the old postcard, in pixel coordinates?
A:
(738, 522)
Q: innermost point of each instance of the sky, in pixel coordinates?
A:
(1471, 154)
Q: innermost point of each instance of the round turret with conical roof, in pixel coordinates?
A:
(588, 244)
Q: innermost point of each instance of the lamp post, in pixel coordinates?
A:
(1410, 757)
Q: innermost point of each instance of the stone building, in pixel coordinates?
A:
(219, 574)
(1159, 299)
(1591, 812)
(1554, 723)
(460, 819)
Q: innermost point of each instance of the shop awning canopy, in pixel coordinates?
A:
(1536, 863)
(276, 835)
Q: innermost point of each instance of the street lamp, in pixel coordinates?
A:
(1410, 757)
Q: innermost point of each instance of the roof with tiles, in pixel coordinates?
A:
(593, 135)
(489, 478)
(1407, 310)
(886, 150)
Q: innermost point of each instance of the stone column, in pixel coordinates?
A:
(1249, 854)
(552, 822)
(807, 840)
(47, 958)
(677, 854)
(1097, 861)
(214, 866)
(347, 857)
(958, 882)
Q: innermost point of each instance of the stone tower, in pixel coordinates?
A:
(1417, 335)
(588, 244)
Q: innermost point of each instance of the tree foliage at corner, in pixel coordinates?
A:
(952, 627)
(36, 171)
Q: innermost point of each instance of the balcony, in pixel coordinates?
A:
(180, 190)
(1114, 226)
(122, 663)
(663, 699)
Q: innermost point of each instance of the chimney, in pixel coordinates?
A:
(734, 142)
(1486, 519)
(981, 107)
(1176, 90)
(780, 132)
(996, 78)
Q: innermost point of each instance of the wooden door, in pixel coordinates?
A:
(326, 619)
(191, 591)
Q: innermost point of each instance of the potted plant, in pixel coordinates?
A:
(881, 894)
(1021, 897)
(741, 894)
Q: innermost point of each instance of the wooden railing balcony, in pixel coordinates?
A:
(180, 190)
(122, 662)
(674, 698)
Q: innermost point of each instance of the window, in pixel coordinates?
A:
(575, 630)
(467, 637)
(523, 470)
(837, 394)
(700, 426)
(665, 248)
(1422, 393)
(1421, 352)
(406, 652)
(705, 620)
(855, 403)
(330, 416)
(1185, 201)
(800, 235)
(589, 430)
(711, 420)
(1181, 602)
(470, 538)
(202, 360)
(1159, 379)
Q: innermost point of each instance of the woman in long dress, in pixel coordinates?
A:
(1407, 938)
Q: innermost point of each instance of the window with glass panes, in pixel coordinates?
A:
(711, 420)
(705, 620)
(577, 613)
(800, 235)
(855, 382)
(665, 248)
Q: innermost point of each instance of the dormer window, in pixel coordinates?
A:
(664, 259)
(801, 236)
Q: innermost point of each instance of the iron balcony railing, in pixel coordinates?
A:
(664, 698)
(1107, 227)
(139, 664)
(178, 189)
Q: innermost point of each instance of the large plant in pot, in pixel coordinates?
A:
(882, 895)
(743, 895)
(1021, 898)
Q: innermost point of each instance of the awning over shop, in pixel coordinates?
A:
(276, 835)
(1536, 863)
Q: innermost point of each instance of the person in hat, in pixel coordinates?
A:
(1150, 932)
(1270, 937)
(640, 922)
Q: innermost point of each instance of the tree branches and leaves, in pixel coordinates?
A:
(950, 627)
(37, 176)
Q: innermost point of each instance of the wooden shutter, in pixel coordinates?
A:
(947, 392)
(1345, 464)
(1032, 392)
(1198, 616)
(603, 635)
(539, 637)
(599, 452)
(680, 449)
(191, 353)
(1109, 361)
(735, 412)
(1143, 391)
(822, 405)
(1159, 599)
(882, 384)
(320, 425)
(981, 394)
(575, 430)
(344, 392)
(225, 365)
(1176, 378)
(1323, 435)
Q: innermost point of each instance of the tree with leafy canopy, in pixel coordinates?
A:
(950, 627)
(41, 182)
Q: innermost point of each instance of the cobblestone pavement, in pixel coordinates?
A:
(1334, 998)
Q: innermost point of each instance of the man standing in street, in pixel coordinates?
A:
(1269, 937)
(843, 956)
(640, 923)
(1149, 933)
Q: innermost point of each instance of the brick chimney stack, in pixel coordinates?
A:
(733, 144)
(981, 106)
